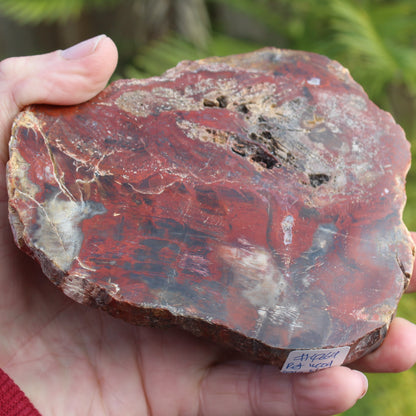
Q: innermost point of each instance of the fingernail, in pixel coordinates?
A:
(82, 49)
(364, 382)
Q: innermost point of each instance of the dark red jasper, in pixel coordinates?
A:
(255, 200)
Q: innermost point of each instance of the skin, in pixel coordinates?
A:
(73, 360)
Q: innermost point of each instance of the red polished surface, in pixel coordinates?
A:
(254, 199)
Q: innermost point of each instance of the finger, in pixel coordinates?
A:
(396, 354)
(61, 77)
(244, 388)
(412, 284)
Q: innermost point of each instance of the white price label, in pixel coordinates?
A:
(307, 361)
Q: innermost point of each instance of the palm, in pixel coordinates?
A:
(82, 353)
(73, 360)
(76, 360)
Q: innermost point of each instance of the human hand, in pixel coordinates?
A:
(73, 360)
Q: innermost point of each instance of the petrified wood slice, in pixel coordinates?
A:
(254, 199)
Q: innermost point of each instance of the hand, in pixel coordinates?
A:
(73, 360)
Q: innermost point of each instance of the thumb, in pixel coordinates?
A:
(61, 77)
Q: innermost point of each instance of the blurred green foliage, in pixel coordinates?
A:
(375, 39)
(37, 11)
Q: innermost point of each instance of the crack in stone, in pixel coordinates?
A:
(55, 166)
